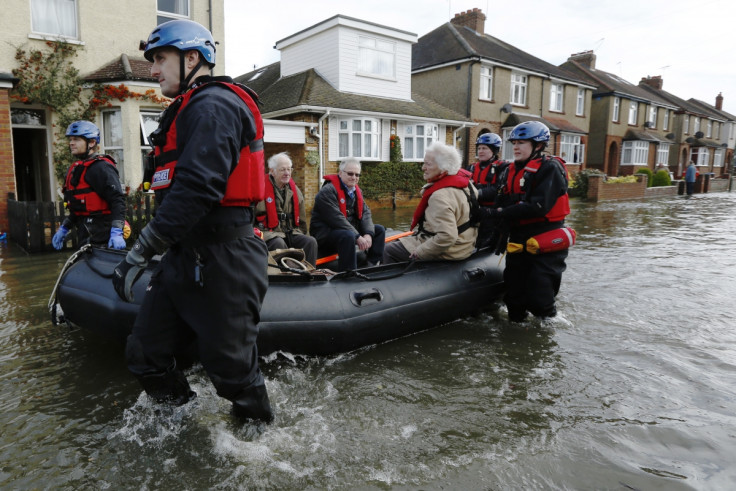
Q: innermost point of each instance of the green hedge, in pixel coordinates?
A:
(662, 178)
(649, 174)
(384, 179)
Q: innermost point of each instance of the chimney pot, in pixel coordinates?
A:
(474, 19)
(719, 101)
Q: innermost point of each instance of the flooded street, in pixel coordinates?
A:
(633, 386)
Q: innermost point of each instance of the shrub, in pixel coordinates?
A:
(382, 180)
(661, 178)
(579, 187)
(648, 173)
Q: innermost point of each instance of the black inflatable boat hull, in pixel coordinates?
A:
(318, 316)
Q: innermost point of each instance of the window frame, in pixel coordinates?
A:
(117, 151)
(686, 125)
(556, 97)
(571, 145)
(375, 59)
(666, 120)
(44, 10)
(718, 157)
(486, 83)
(519, 86)
(375, 143)
(580, 103)
(616, 110)
(663, 153)
(427, 138)
(652, 117)
(638, 151)
(165, 15)
(633, 113)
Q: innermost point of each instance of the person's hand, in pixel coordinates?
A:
(116, 239)
(127, 272)
(364, 242)
(487, 212)
(59, 238)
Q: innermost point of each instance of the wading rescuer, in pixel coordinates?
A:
(533, 203)
(486, 177)
(92, 193)
(210, 284)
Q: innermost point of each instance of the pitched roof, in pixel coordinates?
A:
(715, 113)
(122, 68)
(610, 84)
(682, 104)
(308, 88)
(449, 43)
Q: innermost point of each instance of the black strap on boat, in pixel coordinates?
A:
(354, 273)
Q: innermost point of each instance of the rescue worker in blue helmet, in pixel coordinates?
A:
(92, 193)
(533, 203)
(485, 174)
(210, 283)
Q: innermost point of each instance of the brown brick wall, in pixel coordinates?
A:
(7, 167)
(598, 190)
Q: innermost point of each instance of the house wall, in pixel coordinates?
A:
(7, 168)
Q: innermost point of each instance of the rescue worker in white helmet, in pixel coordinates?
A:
(210, 284)
(485, 174)
(533, 202)
(92, 193)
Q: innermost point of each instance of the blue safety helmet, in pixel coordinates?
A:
(183, 35)
(530, 130)
(85, 129)
(490, 140)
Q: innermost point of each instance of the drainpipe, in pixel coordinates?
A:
(318, 135)
(467, 108)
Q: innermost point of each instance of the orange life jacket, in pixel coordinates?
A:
(271, 219)
(78, 195)
(520, 183)
(337, 183)
(246, 184)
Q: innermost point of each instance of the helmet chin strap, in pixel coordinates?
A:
(184, 81)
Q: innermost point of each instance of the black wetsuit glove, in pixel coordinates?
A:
(131, 268)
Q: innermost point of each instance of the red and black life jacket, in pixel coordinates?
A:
(337, 183)
(520, 183)
(461, 180)
(246, 184)
(271, 220)
(78, 195)
(480, 176)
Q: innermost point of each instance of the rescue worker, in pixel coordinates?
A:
(210, 284)
(341, 219)
(533, 200)
(486, 174)
(442, 223)
(282, 215)
(92, 193)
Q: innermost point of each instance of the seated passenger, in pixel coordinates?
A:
(282, 216)
(441, 223)
(341, 219)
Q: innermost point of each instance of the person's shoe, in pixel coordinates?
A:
(170, 387)
(253, 403)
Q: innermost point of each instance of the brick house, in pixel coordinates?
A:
(342, 89)
(497, 86)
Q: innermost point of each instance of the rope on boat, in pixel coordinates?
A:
(72, 259)
(354, 273)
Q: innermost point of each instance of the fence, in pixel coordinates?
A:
(33, 224)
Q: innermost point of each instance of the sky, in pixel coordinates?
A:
(690, 44)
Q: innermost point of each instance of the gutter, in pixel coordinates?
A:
(352, 112)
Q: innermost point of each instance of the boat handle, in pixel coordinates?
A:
(474, 274)
(359, 297)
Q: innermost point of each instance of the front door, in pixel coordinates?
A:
(30, 154)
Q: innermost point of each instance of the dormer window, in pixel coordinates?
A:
(376, 57)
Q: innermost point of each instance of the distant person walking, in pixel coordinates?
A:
(691, 174)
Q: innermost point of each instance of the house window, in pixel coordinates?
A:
(635, 153)
(653, 116)
(718, 157)
(171, 9)
(663, 153)
(486, 83)
(696, 125)
(518, 89)
(709, 128)
(666, 122)
(112, 138)
(417, 138)
(571, 150)
(700, 156)
(359, 138)
(580, 106)
(54, 17)
(555, 97)
(507, 150)
(686, 128)
(633, 112)
(149, 122)
(616, 109)
(376, 57)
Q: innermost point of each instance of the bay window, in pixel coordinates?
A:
(359, 137)
(635, 153)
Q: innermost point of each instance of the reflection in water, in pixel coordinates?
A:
(631, 387)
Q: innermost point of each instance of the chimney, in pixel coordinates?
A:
(585, 58)
(719, 102)
(654, 82)
(474, 19)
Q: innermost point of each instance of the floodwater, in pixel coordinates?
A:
(633, 386)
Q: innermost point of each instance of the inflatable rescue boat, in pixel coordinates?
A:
(317, 312)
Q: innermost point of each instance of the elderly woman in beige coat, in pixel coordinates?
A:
(441, 223)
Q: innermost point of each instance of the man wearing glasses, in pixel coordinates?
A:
(341, 219)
